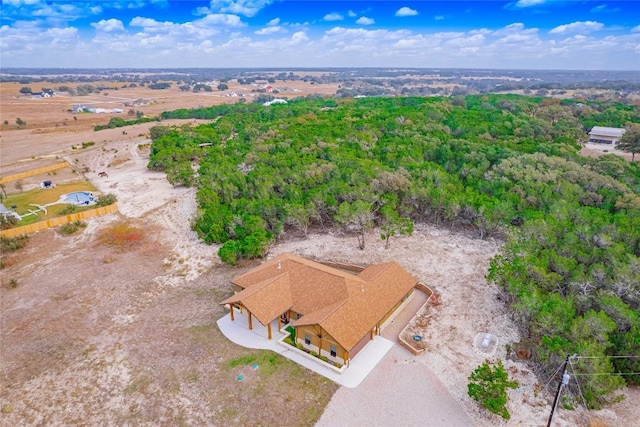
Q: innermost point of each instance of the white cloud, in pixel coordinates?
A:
(269, 30)
(515, 28)
(108, 25)
(529, 3)
(274, 21)
(438, 18)
(223, 19)
(363, 20)
(636, 29)
(247, 8)
(577, 27)
(352, 14)
(18, 3)
(333, 17)
(406, 11)
(139, 21)
(604, 8)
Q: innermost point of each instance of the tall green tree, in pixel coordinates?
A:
(355, 218)
(630, 142)
(393, 224)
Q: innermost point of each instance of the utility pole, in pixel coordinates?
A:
(563, 382)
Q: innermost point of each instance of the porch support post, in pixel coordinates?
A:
(250, 323)
(269, 330)
(231, 311)
(320, 346)
(279, 323)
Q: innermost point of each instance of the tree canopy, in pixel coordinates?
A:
(630, 141)
(493, 165)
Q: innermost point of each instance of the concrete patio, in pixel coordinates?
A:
(359, 367)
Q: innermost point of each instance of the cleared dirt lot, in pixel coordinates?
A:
(98, 334)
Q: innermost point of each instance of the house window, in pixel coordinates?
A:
(298, 315)
(307, 339)
(333, 351)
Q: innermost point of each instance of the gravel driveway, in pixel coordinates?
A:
(401, 391)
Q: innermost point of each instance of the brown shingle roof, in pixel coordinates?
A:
(345, 305)
(385, 287)
(265, 300)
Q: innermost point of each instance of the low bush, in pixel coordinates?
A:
(69, 209)
(7, 222)
(121, 235)
(11, 284)
(106, 200)
(72, 227)
(10, 244)
(488, 386)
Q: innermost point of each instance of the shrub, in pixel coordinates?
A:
(10, 244)
(122, 235)
(228, 252)
(72, 227)
(106, 200)
(488, 386)
(11, 284)
(69, 209)
(8, 221)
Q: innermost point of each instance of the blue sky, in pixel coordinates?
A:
(537, 34)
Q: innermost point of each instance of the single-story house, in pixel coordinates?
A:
(334, 313)
(605, 135)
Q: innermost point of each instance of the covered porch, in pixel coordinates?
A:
(244, 317)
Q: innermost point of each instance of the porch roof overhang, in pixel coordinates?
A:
(266, 300)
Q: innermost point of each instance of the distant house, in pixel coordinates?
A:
(275, 101)
(8, 212)
(268, 88)
(605, 135)
(333, 312)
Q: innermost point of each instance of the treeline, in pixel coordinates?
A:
(117, 122)
(495, 165)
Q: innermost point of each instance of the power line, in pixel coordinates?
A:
(609, 373)
(606, 357)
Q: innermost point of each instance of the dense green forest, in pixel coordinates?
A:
(492, 165)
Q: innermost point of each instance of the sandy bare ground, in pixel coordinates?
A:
(94, 335)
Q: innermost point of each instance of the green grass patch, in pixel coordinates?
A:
(241, 361)
(268, 362)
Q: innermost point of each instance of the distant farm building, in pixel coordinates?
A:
(47, 93)
(86, 109)
(605, 135)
